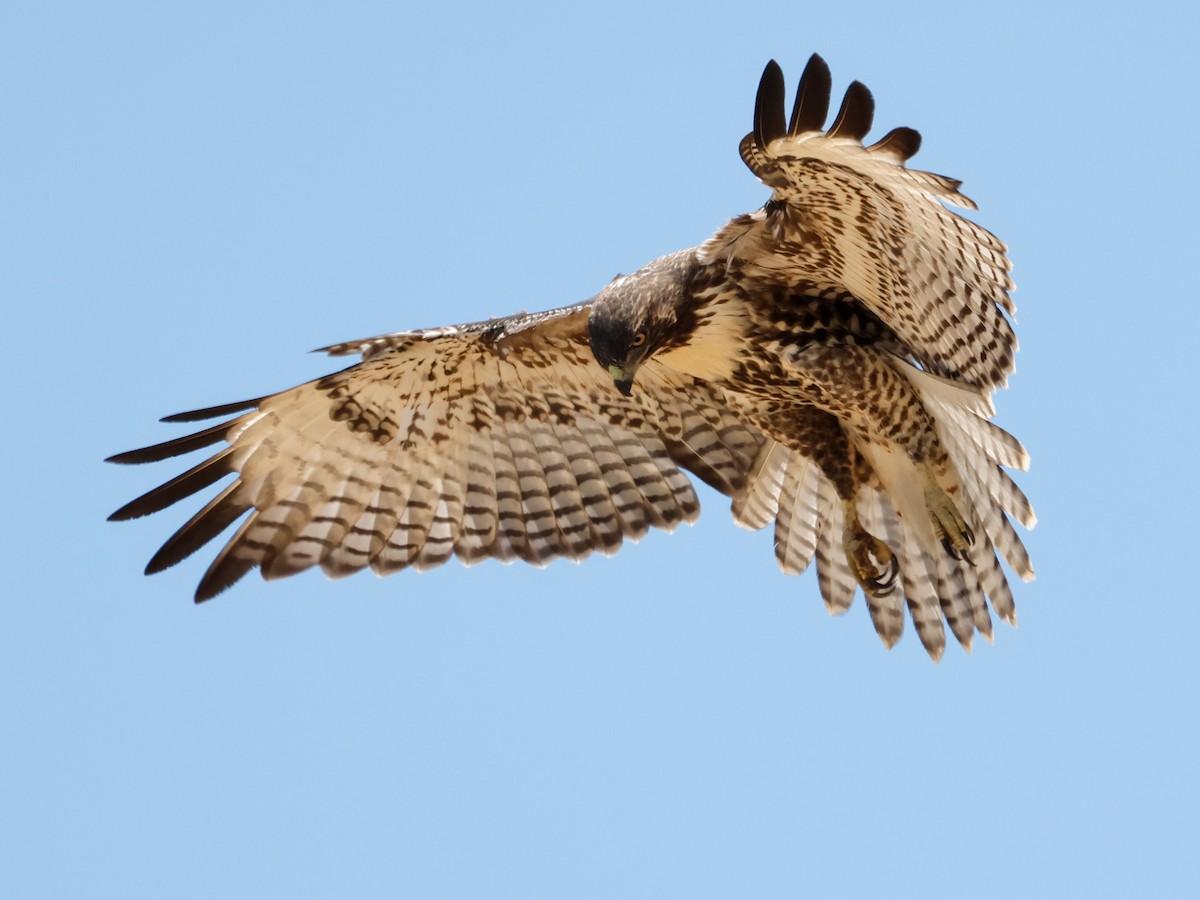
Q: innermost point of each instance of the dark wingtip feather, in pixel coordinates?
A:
(226, 570)
(768, 106)
(219, 581)
(221, 512)
(126, 458)
(176, 447)
(902, 143)
(190, 482)
(212, 412)
(812, 97)
(856, 113)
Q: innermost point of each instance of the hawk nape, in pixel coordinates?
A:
(826, 361)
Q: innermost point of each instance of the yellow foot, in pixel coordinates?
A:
(949, 525)
(874, 565)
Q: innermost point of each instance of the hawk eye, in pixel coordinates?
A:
(638, 339)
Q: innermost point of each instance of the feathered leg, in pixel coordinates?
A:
(882, 413)
(820, 436)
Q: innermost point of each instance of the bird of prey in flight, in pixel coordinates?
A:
(827, 362)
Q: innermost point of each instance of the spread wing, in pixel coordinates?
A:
(499, 439)
(847, 217)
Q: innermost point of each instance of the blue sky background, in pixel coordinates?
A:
(195, 194)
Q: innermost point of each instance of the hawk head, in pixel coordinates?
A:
(637, 315)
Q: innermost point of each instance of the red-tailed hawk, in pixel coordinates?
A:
(826, 361)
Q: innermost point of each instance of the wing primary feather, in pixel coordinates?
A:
(228, 568)
(812, 97)
(900, 143)
(174, 447)
(212, 412)
(856, 113)
(201, 528)
(190, 482)
(768, 106)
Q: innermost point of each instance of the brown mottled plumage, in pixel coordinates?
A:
(827, 362)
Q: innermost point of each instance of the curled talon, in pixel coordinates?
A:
(885, 584)
(956, 552)
(952, 530)
(873, 563)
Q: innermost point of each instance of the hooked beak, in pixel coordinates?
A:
(622, 379)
